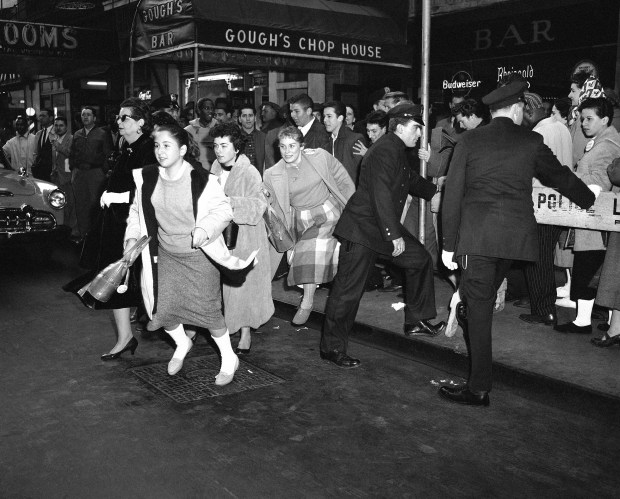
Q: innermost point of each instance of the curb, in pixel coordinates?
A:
(527, 384)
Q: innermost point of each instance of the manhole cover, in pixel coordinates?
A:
(196, 379)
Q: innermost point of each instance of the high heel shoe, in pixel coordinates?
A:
(243, 351)
(131, 345)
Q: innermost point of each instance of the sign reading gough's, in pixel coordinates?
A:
(34, 39)
(550, 207)
(166, 26)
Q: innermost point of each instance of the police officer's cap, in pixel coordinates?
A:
(165, 101)
(407, 111)
(506, 96)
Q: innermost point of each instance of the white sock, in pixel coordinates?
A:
(183, 342)
(584, 313)
(229, 358)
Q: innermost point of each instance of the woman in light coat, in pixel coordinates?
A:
(602, 148)
(247, 300)
(308, 189)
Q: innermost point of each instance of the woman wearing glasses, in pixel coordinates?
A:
(106, 244)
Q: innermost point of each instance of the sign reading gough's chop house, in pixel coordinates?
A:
(169, 25)
(33, 39)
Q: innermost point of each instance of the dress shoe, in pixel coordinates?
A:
(131, 345)
(547, 320)
(522, 303)
(302, 316)
(424, 328)
(223, 378)
(454, 388)
(176, 363)
(606, 341)
(465, 396)
(341, 359)
(243, 351)
(571, 327)
(392, 288)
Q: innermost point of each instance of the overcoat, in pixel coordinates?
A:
(592, 170)
(487, 207)
(372, 215)
(247, 302)
(608, 292)
(212, 212)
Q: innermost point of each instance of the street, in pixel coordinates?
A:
(290, 425)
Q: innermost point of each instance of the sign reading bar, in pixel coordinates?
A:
(551, 208)
(163, 27)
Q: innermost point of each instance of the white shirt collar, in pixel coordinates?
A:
(304, 129)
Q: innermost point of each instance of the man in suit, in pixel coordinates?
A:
(370, 226)
(342, 138)
(488, 220)
(254, 138)
(42, 167)
(314, 133)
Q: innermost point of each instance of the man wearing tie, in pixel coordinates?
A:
(42, 167)
(60, 144)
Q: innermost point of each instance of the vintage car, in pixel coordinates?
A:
(30, 209)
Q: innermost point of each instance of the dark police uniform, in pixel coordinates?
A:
(366, 229)
(488, 217)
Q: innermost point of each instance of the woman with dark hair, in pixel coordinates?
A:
(184, 210)
(248, 302)
(134, 125)
(308, 189)
(561, 110)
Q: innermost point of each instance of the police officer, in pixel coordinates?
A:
(488, 220)
(370, 227)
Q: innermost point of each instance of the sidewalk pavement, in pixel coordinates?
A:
(524, 354)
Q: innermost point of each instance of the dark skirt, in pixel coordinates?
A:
(188, 292)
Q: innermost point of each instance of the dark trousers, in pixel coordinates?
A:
(88, 186)
(480, 279)
(354, 263)
(540, 275)
(585, 267)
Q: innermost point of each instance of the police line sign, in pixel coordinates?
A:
(550, 207)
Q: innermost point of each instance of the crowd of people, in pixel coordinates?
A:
(347, 190)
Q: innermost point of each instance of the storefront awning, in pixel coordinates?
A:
(31, 49)
(316, 29)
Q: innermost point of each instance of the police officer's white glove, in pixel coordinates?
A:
(107, 198)
(447, 259)
(596, 189)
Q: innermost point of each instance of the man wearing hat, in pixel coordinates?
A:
(168, 103)
(370, 227)
(488, 220)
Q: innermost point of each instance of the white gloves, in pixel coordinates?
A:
(107, 198)
(446, 258)
(596, 189)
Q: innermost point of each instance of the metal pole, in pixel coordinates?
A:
(426, 42)
(195, 76)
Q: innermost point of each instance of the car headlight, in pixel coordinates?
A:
(57, 199)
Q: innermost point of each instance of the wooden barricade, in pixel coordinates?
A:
(550, 207)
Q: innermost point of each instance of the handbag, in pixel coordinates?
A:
(277, 232)
(108, 281)
(230, 234)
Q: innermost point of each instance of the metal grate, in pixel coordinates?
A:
(196, 379)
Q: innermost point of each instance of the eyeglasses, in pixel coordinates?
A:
(123, 117)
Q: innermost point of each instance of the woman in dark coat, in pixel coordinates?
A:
(608, 293)
(134, 123)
